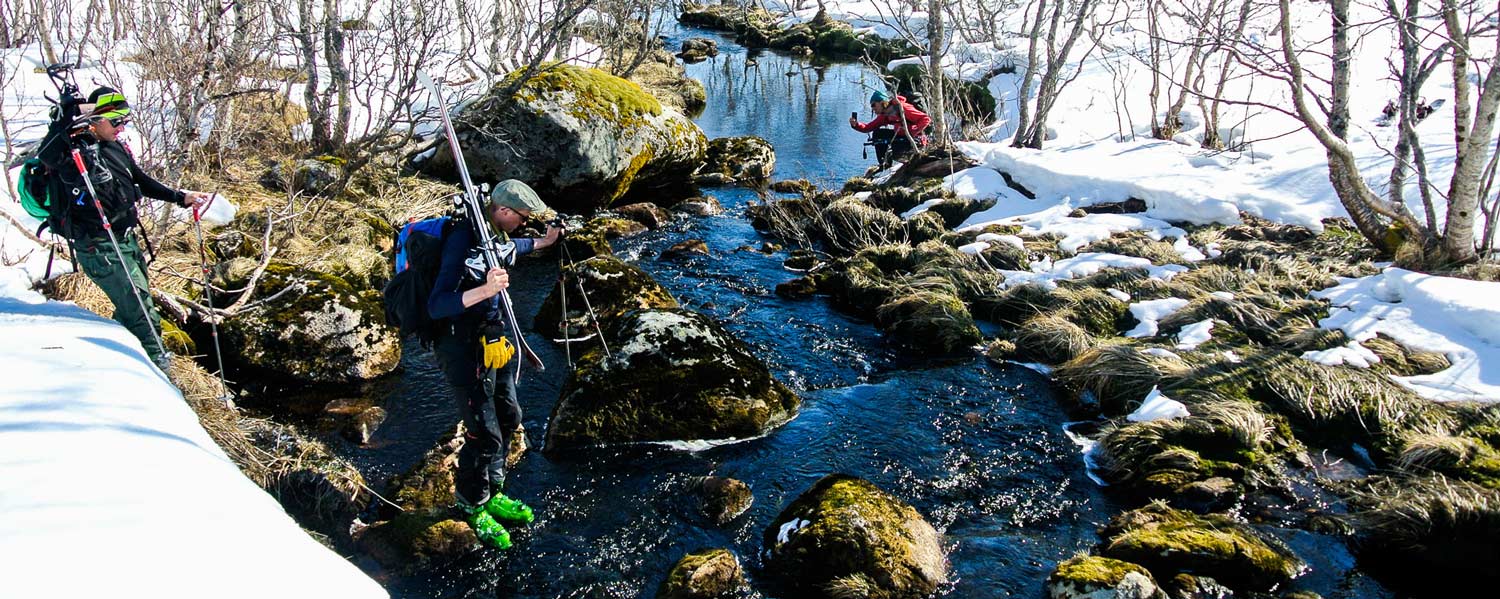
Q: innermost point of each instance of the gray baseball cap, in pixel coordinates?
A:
(516, 195)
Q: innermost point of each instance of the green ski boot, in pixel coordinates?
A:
(490, 532)
(508, 510)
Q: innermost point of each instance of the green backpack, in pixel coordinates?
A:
(32, 188)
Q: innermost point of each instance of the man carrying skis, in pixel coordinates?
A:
(472, 351)
(114, 261)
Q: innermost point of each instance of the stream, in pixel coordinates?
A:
(977, 448)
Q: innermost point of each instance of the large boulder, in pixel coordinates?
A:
(668, 375)
(747, 160)
(608, 286)
(1169, 541)
(592, 239)
(845, 532)
(703, 575)
(310, 176)
(582, 137)
(1094, 577)
(315, 329)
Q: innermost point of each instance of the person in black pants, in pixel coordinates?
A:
(472, 350)
(111, 259)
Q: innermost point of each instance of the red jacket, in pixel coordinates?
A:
(916, 120)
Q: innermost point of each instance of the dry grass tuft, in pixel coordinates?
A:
(1118, 376)
(1052, 338)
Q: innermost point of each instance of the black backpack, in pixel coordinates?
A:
(419, 256)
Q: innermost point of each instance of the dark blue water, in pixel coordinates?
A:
(976, 448)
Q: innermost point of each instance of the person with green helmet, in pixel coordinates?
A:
(113, 262)
(472, 351)
(907, 126)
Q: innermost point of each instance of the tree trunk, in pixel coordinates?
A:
(43, 32)
(338, 74)
(1472, 126)
(937, 104)
(1023, 103)
(1338, 113)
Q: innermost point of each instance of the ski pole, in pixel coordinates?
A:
(562, 286)
(208, 296)
(598, 328)
(115, 243)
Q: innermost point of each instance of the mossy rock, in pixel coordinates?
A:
(310, 176)
(593, 238)
(1170, 541)
(1202, 461)
(613, 287)
(417, 540)
(1094, 577)
(584, 139)
(844, 528)
(176, 340)
(321, 331)
(747, 160)
(703, 575)
(670, 375)
(724, 499)
(647, 214)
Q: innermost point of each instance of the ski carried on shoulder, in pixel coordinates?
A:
(473, 209)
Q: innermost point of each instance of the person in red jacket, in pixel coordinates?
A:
(908, 126)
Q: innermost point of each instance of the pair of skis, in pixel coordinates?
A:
(473, 208)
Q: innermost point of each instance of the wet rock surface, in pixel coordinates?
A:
(845, 532)
(703, 575)
(669, 375)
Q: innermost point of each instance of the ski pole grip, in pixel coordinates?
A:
(78, 161)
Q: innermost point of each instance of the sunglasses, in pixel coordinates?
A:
(119, 121)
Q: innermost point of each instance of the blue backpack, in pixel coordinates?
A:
(419, 256)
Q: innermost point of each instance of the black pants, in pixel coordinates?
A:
(486, 400)
(889, 146)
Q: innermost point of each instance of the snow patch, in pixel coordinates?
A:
(1157, 406)
(1151, 311)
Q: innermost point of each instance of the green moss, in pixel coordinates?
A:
(702, 574)
(855, 529)
(596, 94)
(1095, 571)
(1169, 541)
(614, 288)
(177, 341)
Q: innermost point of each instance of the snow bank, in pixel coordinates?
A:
(1047, 274)
(112, 488)
(1455, 317)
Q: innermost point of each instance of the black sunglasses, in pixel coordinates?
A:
(119, 122)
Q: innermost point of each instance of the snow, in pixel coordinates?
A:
(1117, 294)
(1193, 335)
(1455, 317)
(1351, 354)
(1161, 352)
(1151, 311)
(1157, 406)
(112, 488)
(920, 208)
(1047, 274)
(975, 248)
(1010, 240)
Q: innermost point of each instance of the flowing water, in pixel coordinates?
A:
(977, 448)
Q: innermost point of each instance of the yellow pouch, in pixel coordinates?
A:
(498, 352)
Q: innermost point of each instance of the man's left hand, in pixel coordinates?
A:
(553, 233)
